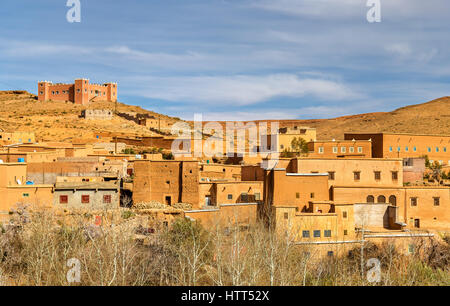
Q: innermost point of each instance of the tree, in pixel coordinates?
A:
(300, 146)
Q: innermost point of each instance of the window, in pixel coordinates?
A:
(230, 197)
(429, 149)
(78, 90)
(282, 146)
(445, 149)
(63, 199)
(381, 199)
(320, 150)
(53, 92)
(345, 232)
(305, 234)
(335, 149)
(327, 233)
(377, 175)
(107, 198)
(413, 201)
(351, 149)
(257, 196)
(312, 195)
(85, 199)
(286, 216)
(436, 201)
(330, 254)
(393, 200)
(297, 195)
(244, 197)
(344, 214)
(42, 93)
(406, 149)
(360, 149)
(357, 175)
(394, 175)
(437, 149)
(415, 149)
(316, 233)
(26, 195)
(331, 175)
(390, 149)
(343, 149)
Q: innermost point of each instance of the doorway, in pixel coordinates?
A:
(168, 200)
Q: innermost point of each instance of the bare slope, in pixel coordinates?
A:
(59, 121)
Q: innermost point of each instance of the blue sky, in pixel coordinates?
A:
(235, 59)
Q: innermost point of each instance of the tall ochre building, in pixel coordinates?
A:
(80, 92)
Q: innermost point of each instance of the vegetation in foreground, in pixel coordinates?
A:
(35, 249)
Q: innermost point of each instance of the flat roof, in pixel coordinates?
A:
(392, 133)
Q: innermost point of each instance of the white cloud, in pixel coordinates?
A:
(241, 89)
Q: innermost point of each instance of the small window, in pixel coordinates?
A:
(282, 146)
(63, 199)
(316, 233)
(320, 150)
(312, 195)
(345, 232)
(351, 150)
(406, 149)
(330, 254)
(377, 175)
(331, 175)
(26, 195)
(335, 149)
(85, 199)
(305, 234)
(429, 149)
(344, 214)
(357, 175)
(413, 201)
(244, 197)
(230, 197)
(437, 149)
(390, 149)
(415, 149)
(286, 216)
(107, 198)
(394, 175)
(436, 201)
(343, 149)
(360, 149)
(327, 233)
(297, 195)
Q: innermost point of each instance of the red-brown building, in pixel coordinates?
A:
(80, 92)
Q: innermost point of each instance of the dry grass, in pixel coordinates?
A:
(36, 246)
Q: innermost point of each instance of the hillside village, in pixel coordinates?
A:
(334, 183)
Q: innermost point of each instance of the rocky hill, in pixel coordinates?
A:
(60, 121)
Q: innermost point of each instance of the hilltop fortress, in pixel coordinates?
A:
(80, 92)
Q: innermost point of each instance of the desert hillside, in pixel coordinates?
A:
(59, 121)
(427, 118)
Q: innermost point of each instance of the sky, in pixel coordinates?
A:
(235, 59)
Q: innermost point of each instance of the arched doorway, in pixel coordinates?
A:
(381, 199)
(393, 200)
